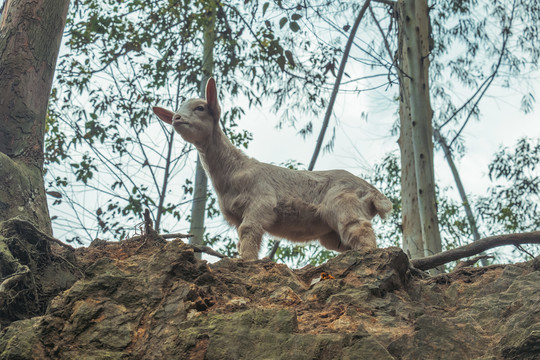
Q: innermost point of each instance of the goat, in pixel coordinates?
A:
(333, 206)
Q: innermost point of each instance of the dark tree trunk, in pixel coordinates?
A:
(30, 35)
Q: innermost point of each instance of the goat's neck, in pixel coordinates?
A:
(221, 159)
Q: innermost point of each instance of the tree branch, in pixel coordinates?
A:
(482, 89)
(206, 249)
(393, 58)
(333, 96)
(386, 2)
(476, 247)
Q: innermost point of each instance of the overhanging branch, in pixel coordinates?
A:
(476, 247)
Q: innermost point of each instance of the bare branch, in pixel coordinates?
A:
(164, 236)
(176, 236)
(333, 96)
(388, 50)
(482, 89)
(472, 261)
(386, 2)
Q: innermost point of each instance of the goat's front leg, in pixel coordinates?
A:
(250, 237)
(257, 217)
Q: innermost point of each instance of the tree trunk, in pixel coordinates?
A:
(417, 159)
(413, 243)
(30, 36)
(198, 208)
(464, 199)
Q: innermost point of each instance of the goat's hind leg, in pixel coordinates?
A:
(332, 241)
(358, 234)
(250, 237)
(347, 215)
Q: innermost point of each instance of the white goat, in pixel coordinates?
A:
(333, 206)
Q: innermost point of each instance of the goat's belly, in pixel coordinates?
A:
(299, 230)
(297, 220)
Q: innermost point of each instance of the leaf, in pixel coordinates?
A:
(527, 103)
(281, 62)
(265, 7)
(290, 59)
(296, 17)
(294, 26)
(282, 22)
(54, 194)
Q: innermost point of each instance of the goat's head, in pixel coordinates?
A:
(196, 119)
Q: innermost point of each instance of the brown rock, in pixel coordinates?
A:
(159, 302)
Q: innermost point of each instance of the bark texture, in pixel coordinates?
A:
(30, 35)
(416, 136)
(198, 209)
(413, 244)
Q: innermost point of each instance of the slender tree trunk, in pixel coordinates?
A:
(413, 243)
(337, 83)
(30, 36)
(464, 200)
(198, 208)
(466, 205)
(417, 160)
(166, 177)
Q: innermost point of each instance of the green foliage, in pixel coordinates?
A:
(386, 177)
(478, 46)
(512, 203)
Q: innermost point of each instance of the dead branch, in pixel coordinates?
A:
(208, 250)
(164, 236)
(475, 248)
(175, 236)
(471, 262)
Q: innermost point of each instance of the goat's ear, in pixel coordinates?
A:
(212, 98)
(163, 114)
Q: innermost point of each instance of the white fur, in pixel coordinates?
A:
(333, 206)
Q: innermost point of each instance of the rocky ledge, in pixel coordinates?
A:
(154, 300)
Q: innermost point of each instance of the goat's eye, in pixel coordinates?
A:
(199, 108)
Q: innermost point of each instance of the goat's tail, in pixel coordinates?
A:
(382, 204)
